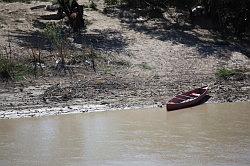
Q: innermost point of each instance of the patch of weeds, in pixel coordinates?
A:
(21, 71)
(145, 66)
(10, 70)
(91, 56)
(53, 33)
(57, 36)
(122, 63)
(225, 73)
(6, 69)
(108, 71)
(36, 61)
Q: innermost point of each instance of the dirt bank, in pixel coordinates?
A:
(144, 63)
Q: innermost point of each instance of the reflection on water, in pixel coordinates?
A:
(204, 135)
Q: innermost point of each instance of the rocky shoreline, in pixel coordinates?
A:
(36, 101)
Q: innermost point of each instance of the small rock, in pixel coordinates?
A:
(21, 20)
(159, 104)
(52, 7)
(104, 103)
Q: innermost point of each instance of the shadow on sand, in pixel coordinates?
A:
(162, 29)
(105, 40)
(102, 40)
(33, 39)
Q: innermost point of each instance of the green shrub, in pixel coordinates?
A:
(122, 63)
(6, 69)
(22, 70)
(145, 66)
(10, 70)
(53, 33)
(225, 73)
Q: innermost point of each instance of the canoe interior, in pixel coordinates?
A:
(188, 96)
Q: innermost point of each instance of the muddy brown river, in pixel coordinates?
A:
(211, 134)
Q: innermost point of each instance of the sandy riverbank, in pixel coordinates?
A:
(145, 64)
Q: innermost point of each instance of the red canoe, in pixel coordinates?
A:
(187, 99)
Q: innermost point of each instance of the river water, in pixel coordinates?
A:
(210, 134)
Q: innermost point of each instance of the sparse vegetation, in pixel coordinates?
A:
(53, 33)
(145, 66)
(108, 71)
(6, 69)
(36, 60)
(21, 71)
(122, 63)
(225, 73)
(10, 70)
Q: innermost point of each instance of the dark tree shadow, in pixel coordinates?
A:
(163, 30)
(50, 17)
(38, 7)
(106, 40)
(38, 24)
(185, 35)
(34, 39)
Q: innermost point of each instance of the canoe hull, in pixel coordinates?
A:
(187, 99)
